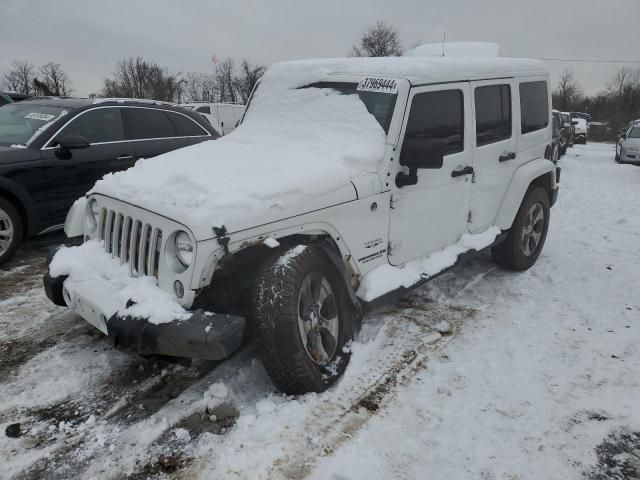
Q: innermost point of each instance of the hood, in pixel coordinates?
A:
(297, 150)
(12, 154)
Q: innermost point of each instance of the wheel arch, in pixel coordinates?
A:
(22, 203)
(540, 172)
(247, 256)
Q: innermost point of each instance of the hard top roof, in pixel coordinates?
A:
(418, 70)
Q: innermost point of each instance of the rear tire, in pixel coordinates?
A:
(523, 244)
(11, 231)
(304, 320)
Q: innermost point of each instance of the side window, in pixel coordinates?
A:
(98, 126)
(206, 110)
(145, 123)
(435, 117)
(185, 127)
(534, 106)
(493, 114)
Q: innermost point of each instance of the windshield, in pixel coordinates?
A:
(635, 132)
(21, 122)
(379, 104)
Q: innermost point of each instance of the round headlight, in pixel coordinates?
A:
(184, 248)
(93, 212)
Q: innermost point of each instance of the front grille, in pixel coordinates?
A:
(133, 242)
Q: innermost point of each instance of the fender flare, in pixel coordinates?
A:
(343, 256)
(520, 182)
(26, 207)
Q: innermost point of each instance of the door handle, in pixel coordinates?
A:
(463, 171)
(125, 157)
(507, 156)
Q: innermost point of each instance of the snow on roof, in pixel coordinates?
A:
(417, 70)
(456, 49)
(293, 145)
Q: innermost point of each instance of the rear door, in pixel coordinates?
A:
(71, 175)
(432, 214)
(155, 131)
(494, 149)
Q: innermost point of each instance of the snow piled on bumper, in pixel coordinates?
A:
(90, 263)
(386, 278)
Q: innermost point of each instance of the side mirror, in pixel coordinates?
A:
(418, 153)
(72, 142)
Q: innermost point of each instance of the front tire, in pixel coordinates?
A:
(523, 244)
(304, 319)
(11, 231)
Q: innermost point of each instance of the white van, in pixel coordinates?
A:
(224, 117)
(348, 181)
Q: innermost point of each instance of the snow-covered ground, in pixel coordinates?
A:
(482, 374)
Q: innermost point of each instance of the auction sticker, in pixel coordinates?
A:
(378, 84)
(45, 117)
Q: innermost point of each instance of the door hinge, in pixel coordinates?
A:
(395, 200)
(469, 217)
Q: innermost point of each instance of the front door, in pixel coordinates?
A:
(494, 149)
(432, 214)
(72, 174)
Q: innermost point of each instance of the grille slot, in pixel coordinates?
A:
(132, 242)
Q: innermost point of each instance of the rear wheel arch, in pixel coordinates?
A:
(540, 172)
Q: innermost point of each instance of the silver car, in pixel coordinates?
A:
(628, 147)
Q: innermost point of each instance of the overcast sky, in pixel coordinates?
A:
(88, 37)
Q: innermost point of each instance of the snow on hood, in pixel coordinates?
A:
(294, 144)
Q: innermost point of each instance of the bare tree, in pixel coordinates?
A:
(380, 40)
(568, 93)
(247, 78)
(56, 79)
(20, 77)
(200, 87)
(139, 78)
(621, 86)
(225, 81)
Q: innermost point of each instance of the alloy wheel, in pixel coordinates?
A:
(532, 230)
(318, 318)
(6, 231)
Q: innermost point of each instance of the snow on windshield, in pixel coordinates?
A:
(293, 144)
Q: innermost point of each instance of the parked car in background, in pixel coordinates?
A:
(566, 132)
(628, 147)
(556, 136)
(580, 130)
(586, 116)
(10, 97)
(52, 151)
(224, 117)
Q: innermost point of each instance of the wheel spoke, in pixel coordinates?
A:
(538, 216)
(316, 348)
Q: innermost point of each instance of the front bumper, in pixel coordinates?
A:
(204, 335)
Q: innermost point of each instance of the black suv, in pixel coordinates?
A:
(52, 151)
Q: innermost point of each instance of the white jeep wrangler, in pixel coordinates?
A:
(348, 181)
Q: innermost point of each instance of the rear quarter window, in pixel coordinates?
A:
(534, 106)
(185, 127)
